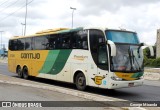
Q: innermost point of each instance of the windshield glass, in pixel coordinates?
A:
(129, 58)
(122, 37)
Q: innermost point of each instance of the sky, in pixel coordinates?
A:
(141, 16)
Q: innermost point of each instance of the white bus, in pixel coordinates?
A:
(98, 57)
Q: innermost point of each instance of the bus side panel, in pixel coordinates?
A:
(14, 60)
(79, 62)
(64, 75)
(56, 65)
(38, 62)
(11, 61)
(33, 60)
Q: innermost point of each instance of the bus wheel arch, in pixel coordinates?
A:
(80, 80)
(25, 72)
(19, 71)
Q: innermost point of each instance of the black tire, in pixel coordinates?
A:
(25, 73)
(80, 81)
(19, 72)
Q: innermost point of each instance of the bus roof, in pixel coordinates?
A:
(63, 30)
(113, 29)
(50, 31)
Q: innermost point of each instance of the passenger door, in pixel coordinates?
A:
(102, 65)
(99, 60)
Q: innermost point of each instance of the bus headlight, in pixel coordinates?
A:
(116, 78)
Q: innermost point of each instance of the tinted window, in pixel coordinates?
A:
(58, 42)
(79, 40)
(28, 42)
(20, 44)
(13, 45)
(73, 40)
(102, 56)
(96, 38)
(65, 41)
(37, 43)
(52, 42)
(98, 48)
(44, 42)
(40, 43)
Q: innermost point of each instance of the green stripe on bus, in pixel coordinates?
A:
(60, 61)
(55, 61)
(49, 62)
(137, 75)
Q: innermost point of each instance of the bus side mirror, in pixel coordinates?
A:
(113, 47)
(150, 48)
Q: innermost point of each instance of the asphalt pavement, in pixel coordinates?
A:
(148, 92)
(25, 94)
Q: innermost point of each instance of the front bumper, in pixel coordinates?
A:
(125, 84)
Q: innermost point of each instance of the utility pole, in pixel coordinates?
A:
(72, 14)
(158, 44)
(22, 28)
(25, 18)
(1, 39)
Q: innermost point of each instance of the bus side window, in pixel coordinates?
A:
(81, 40)
(97, 46)
(84, 42)
(52, 41)
(32, 43)
(78, 42)
(102, 55)
(44, 42)
(84, 45)
(13, 44)
(38, 43)
(58, 43)
(65, 41)
(73, 40)
(21, 44)
(28, 43)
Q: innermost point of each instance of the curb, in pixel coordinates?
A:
(153, 70)
(152, 76)
(81, 94)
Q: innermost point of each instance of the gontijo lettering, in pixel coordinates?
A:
(30, 55)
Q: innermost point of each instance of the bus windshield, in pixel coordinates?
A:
(129, 56)
(122, 37)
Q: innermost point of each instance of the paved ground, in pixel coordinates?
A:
(148, 92)
(3, 59)
(21, 93)
(152, 83)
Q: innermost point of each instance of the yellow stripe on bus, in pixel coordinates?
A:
(126, 76)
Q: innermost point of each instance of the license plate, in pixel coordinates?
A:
(130, 84)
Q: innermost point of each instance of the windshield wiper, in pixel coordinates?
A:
(129, 52)
(134, 58)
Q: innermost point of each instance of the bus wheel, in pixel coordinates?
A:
(80, 81)
(19, 72)
(25, 73)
